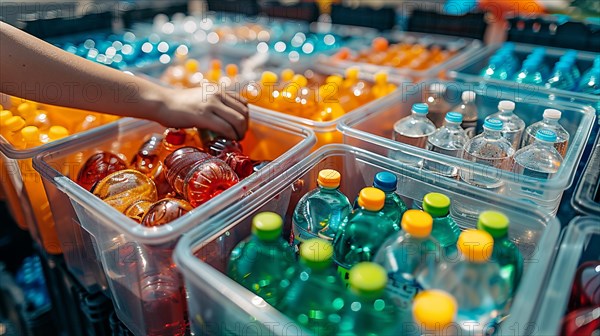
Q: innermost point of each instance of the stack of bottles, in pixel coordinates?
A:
(170, 175)
(313, 96)
(583, 311)
(379, 268)
(535, 70)
(403, 55)
(188, 74)
(127, 50)
(506, 143)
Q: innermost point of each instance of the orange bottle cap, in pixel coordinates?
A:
(287, 75)
(231, 70)
(216, 64)
(434, 309)
(475, 245)
(343, 54)
(269, 77)
(192, 66)
(300, 80)
(417, 223)
(371, 199)
(329, 178)
(352, 73)
(380, 44)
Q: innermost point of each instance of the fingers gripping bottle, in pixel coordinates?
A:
(321, 211)
(363, 231)
(260, 263)
(407, 253)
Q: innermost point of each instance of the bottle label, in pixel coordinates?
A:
(402, 291)
(344, 274)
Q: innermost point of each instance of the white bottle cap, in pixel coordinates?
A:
(506, 105)
(437, 88)
(552, 114)
(469, 96)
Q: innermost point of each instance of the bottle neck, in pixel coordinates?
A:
(506, 113)
(327, 189)
(551, 122)
(543, 144)
(419, 115)
(491, 134)
(452, 125)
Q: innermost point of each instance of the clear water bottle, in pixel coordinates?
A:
(450, 140)
(491, 149)
(438, 106)
(590, 81)
(561, 77)
(539, 160)
(508, 51)
(469, 112)
(530, 73)
(538, 55)
(550, 121)
(570, 57)
(497, 68)
(512, 126)
(413, 130)
(474, 280)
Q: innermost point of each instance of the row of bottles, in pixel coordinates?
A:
(405, 253)
(321, 98)
(421, 55)
(188, 74)
(564, 75)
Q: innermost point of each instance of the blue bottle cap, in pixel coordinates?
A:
(530, 65)
(546, 135)
(539, 51)
(562, 66)
(493, 124)
(454, 117)
(385, 181)
(420, 108)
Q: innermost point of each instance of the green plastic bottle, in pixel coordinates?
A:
(505, 252)
(445, 230)
(371, 311)
(363, 231)
(315, 296)
(394, 206)
(260, 263)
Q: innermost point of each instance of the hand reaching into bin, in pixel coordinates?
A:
(60, 78)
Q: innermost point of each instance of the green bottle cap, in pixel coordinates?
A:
(316, 253)
(267, 226)
(368, 278)
(436, 204)
(493, 222)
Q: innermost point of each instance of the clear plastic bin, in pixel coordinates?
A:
(465, 49)
(23, 188)
(372, 129)
(579, 243)
(136, 259)
(218, 305)
(586, 199)
(470, 71)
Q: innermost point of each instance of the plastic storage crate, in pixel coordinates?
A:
(471, 69)
(218, 305)
(130, 253)
(579, 243)
(373, 129)
(586, 199)
(465, 48)
(22, 185)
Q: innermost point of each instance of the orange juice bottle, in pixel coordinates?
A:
(354, 92)
(329, 104)
(263, 93)
(382, 87)
(10, 129)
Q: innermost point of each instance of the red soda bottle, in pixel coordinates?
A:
(586, 286)
(583, 321)
(165, 211)
(198, 176)
(229, 151)
(147, 161)
(97, 167)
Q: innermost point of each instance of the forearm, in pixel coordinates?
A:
(35, 70)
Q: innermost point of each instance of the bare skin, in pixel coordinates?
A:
(33, 69)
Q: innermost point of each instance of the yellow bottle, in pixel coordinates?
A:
(11, 131)
(329, 104)
(268, 93)
(4, 115)
(382, 87)
(287, 75)
(32, 137)
(354, 92)
(39, 119)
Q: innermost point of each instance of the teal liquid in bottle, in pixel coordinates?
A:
(505, 252)
(394, 206)
(320, 212)
(363, 231)
(371, 310)
(445, 230)
(315, 297)
(260, 263)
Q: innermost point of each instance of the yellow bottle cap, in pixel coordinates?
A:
(231, 70)
(192, 66)
(494, 223)
(475, 245)
(30, 133)
(371, 199)
(26, 109)
(287, 75)
(316, 253)
(329, 178)
(368, 278)
(267, 226)
(4, 115)
(417, 223)
(334, 79)
(269, 77)
(57, 132)
(14, 123)
(434, 309)
(352, 73)
(300, 80)
(381, 78)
